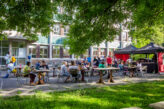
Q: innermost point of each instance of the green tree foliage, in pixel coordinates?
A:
(143, 36)
(94, 21)
(27, 16)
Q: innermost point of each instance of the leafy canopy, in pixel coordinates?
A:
(28, 17)
(95, 21)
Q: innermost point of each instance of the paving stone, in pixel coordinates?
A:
(158, 105)
(132, 108)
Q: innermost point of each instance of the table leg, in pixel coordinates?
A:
(53, 72)
(101, 79)
(111, 77)
(108, 75)
(39, 79)
(82, 74)
(131, 73)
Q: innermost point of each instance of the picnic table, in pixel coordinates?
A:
(18, 70)
(106, 69)
(131, 69)
(39, 73)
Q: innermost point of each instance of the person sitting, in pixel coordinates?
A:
(43, 66)
(28, 72)
(73, 70)
(95, 62)
(102, 65)
(11, 68)
(121, 65)
(37, 65)
(64, 71)
(139, 67)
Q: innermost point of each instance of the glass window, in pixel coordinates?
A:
(5, 44)
(43, 51)
(102, 51)
(66, 52)
(4, 48)
(66, 30)
(56, 52)
(2, 61)
(32, 51)
(95, 51)
(15, 51)
(57, 29)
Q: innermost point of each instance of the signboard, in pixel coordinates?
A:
(161, 62)
(22, 53)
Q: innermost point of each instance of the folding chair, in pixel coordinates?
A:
(75, 75)
(4, 78)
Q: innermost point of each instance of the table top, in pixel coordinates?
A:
(38, 71)
(18, 67)
(131, 67)
(108, 68)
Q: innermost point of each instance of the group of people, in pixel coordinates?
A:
(28, 70)
(67, 68)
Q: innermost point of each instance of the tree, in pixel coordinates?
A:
(94, 21)
(143, 36)
(28, 17)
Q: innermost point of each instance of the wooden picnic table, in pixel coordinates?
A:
(39, 73)
(106, 69)
(131, 70)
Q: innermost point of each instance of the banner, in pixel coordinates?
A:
(161, 62)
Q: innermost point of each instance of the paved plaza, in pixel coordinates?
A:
(11, 87)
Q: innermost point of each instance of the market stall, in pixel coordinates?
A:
(124, 53)
(157, 63)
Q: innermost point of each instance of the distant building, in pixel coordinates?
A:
(51, 48)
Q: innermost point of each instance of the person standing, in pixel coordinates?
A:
(13, 59)
(95, 62)
(109, 61)
(7, 58)
(64, 71)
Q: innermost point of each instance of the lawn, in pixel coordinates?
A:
(113, 97)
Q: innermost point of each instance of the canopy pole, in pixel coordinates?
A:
(148, 58)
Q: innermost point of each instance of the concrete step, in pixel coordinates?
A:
(132, 108)
(158, 105)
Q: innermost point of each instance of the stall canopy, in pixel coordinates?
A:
(123, 54)
(127, 50)
(149, 49)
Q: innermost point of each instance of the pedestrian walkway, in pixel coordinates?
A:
(9, 90)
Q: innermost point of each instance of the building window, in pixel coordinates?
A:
(43, 51)
(32, 51)
(102, 51)
(66, 30)
(56, 52)
(66, 52)
(57, 29)
(18, 49)
(95, 51)
(4, 49)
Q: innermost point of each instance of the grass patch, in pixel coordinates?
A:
(114, 97)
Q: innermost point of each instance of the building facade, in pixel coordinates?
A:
(51, 48)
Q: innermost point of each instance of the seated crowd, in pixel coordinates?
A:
(74, 69)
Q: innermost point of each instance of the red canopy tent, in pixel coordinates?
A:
(123, 57)
(124, 53)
